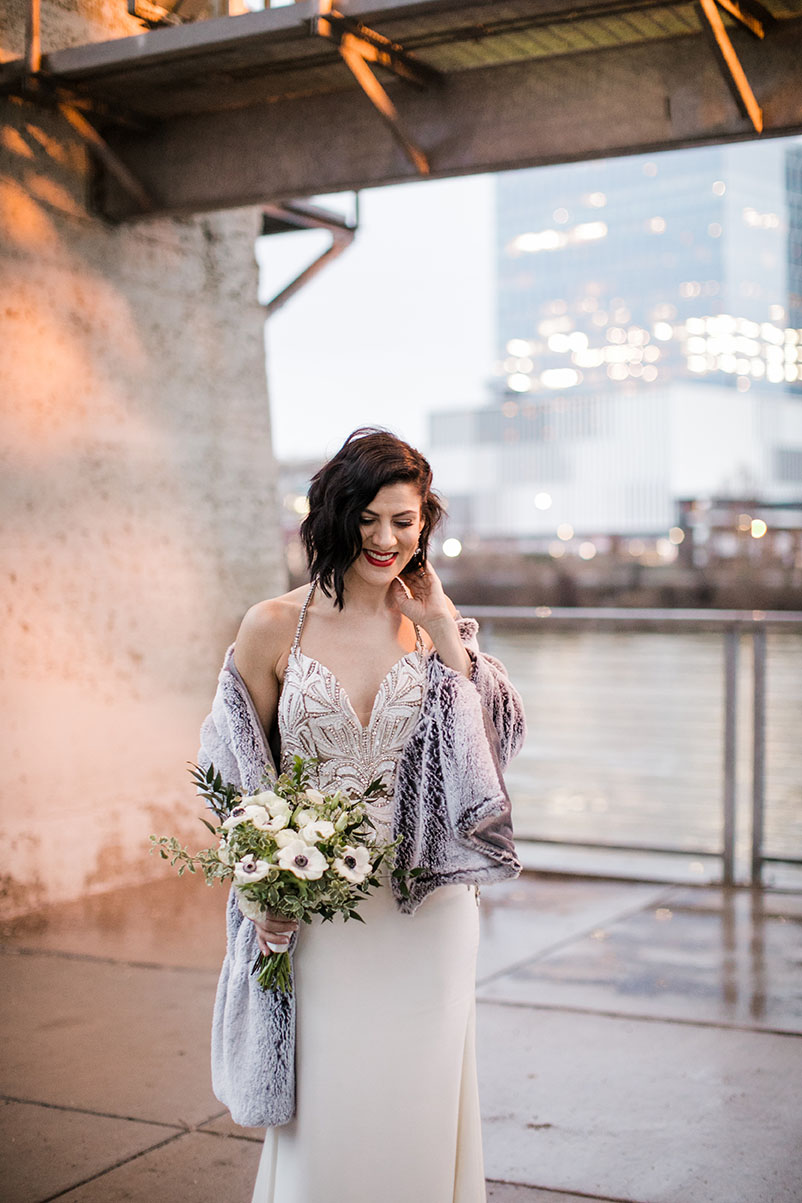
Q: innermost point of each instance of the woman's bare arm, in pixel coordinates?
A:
(264, 637)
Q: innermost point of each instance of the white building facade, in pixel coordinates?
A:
(612, 463)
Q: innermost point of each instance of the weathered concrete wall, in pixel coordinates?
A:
(137, 488)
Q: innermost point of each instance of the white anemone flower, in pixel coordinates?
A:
(238, 815)
(273, 803)
(354, 864)
(270, 823)
(321, 829)
(304, 861)
(247, 814)
(267, 801)
(285, 837)
(250, 869)
(249, 908)
(315, 797)
(261, 799)
(303, 817)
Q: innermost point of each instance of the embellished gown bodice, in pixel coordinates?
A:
(316, 719)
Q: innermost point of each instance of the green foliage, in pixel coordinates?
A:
(402, 878)
(221, 796)
(207, 860)
(278, 889)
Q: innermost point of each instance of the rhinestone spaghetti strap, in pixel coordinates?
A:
(297, 640)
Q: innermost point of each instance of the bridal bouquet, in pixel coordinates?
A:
(288, 849)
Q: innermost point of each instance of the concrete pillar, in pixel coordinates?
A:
(138, 496)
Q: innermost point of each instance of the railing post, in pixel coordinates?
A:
(758, 750)
(731, 643)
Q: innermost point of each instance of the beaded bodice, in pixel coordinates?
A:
(316, 719)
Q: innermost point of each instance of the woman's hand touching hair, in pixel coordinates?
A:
(421, 598)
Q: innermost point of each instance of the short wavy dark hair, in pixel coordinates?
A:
(369, 459)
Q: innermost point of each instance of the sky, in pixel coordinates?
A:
(400, 324)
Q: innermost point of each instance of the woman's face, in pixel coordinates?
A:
(390, 527)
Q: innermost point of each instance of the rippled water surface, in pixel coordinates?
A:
(625, 742)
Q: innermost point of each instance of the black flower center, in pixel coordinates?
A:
(302, 861)
(238, 810)
(350, 861)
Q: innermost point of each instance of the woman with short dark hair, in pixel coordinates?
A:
(370, 670)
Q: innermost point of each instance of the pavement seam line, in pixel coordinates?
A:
(116, 1166)
(132, 1119)
(229, 1135)
(127, 1161)
(13, 950)
(561, 1190)
(179, 1129)
(690, 1023)
(662, 897)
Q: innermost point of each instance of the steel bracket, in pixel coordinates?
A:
(299, 215)
(152, 15)
(359, 47)
(756, 19)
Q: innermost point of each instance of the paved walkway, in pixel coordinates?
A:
(636, 1042)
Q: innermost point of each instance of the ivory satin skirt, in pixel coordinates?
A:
(387, 1103)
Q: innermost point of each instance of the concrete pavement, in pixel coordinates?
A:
(638, 1043)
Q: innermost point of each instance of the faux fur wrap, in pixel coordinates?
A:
(450, 805)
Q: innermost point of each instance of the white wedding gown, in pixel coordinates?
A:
(387, 1104)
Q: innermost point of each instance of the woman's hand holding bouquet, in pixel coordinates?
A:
(291, 853)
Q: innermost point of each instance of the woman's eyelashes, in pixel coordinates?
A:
(370, 521)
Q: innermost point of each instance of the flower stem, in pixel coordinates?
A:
(274, 972)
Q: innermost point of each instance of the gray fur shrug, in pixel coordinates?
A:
(450, 805)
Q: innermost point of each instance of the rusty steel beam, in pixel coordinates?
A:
(33, 38)
(629, 100)
(360, 46)
(377, 48)
(111, 161)
(356, 64)
(752, 16)
(727, 58)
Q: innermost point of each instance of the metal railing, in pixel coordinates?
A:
(732, 625)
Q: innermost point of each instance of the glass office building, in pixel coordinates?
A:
(649, 269)
(649, 345)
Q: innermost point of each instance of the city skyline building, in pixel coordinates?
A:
(646, 355)
(650, 268)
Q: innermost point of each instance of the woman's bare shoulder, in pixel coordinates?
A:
(268, 627)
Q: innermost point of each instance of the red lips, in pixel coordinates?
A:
(383, 563)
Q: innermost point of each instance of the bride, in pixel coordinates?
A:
(370, 670)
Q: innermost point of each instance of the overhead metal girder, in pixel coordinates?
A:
(111, 161)
(360, 46)
(636, 98)
(756, 19)
(39, 86)
(375, 47)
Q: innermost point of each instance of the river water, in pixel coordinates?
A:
(625, 738)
